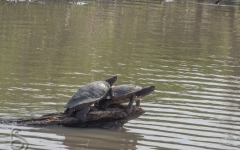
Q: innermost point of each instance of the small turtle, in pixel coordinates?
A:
(217, 2)
(126, 93)
(87, 95)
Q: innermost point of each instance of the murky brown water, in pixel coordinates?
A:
(189, 50)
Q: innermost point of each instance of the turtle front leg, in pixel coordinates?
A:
(104, 103)
(137, 99)
(112, 94)
(138, 103)
(130, 104)
(70, 111)
(81, 114)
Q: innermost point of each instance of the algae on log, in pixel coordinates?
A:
(111, 118)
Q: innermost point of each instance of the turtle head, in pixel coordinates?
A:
(111, 80)
(145, 91)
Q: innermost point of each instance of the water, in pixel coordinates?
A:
(188, 49)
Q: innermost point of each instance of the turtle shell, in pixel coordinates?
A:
(89, 94)
(125, 91)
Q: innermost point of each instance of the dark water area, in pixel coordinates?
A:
(188, 49)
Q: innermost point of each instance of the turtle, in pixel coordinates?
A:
(126, 93)
(88, 95)
(217, 2)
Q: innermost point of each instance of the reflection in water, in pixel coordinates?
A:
(99, 139)
(67, 138)
(188, 50)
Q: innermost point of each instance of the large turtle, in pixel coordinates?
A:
(126, 93)
(87, 95)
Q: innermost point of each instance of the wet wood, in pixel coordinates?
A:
(111, 118)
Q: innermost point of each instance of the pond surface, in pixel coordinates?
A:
(188, 49)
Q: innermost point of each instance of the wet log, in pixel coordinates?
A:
(111, 118)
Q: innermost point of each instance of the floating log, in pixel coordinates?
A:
(111, 118)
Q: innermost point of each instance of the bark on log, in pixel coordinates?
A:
(111, 118)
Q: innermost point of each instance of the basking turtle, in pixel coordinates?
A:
(217, 2)
(126, 93)
(87, 95)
